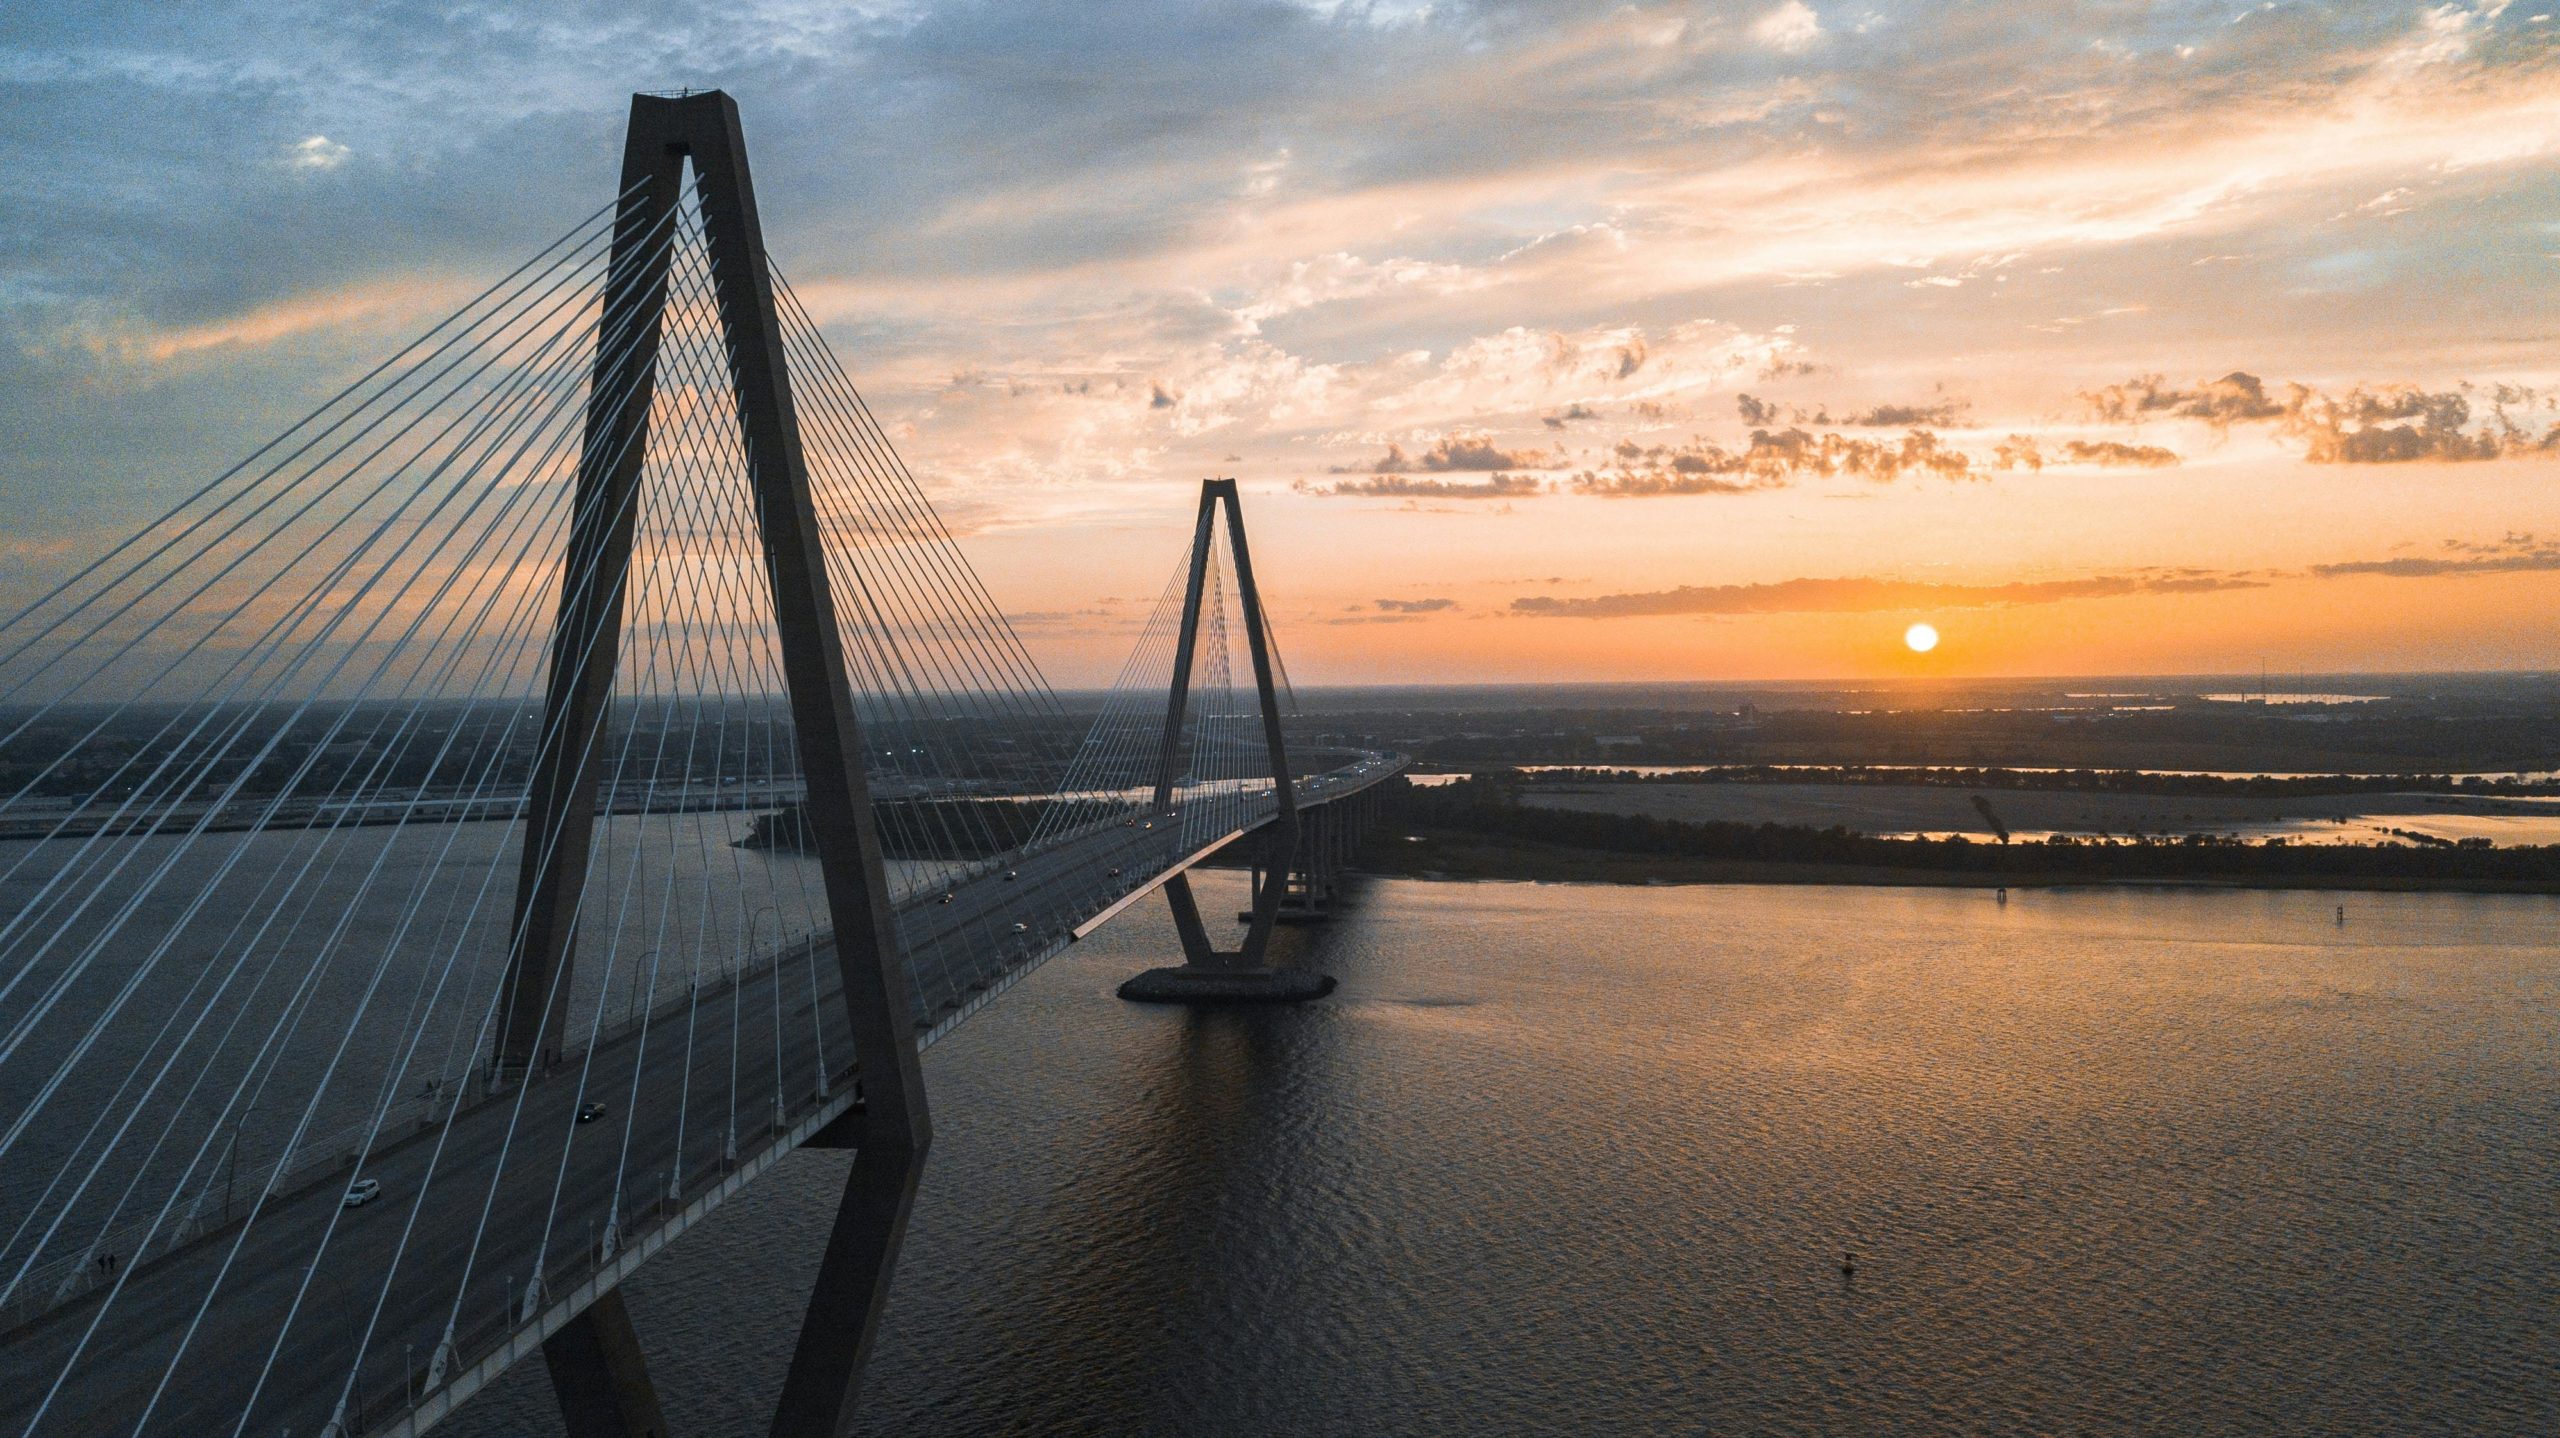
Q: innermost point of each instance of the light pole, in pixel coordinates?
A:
(632, 1014)
(231, 1160)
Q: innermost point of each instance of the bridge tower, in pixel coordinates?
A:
(1243, 975)
(595, 1360)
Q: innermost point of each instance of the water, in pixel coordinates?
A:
(1562, 1159)
(2520, 776)
(2262, 697)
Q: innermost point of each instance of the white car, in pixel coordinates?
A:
(362, 1192)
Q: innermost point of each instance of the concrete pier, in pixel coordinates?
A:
(1210, 984)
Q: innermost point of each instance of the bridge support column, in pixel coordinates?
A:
(1314, 879)
(1208, 975)
(596, 1364)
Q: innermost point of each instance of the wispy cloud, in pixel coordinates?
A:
(1866, 595)
(1397, 486)
(1771, 458)
(2516, 554)
(1454, 452)
(2021, 451)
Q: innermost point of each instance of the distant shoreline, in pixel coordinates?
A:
(1454, 857)
(1492, 827)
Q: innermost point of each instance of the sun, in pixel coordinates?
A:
(1921, 638)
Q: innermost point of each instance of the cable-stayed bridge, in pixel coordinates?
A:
(458, 847)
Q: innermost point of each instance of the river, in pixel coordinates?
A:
(1563, 1159)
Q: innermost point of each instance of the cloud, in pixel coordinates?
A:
(2107, 453)
(2401, 424)
(371, 311)
(319, 152)
(1773, 459)
(2229, 400)
(1397, 486)
(1792, 27)
(1867, 596)
(2020, 451)
(1570, 413)
(1759, 412)
(1415, 606)
(1332, 278)
(2517, 553)
(2387, 424)
(1461, 453)
(1898, 416)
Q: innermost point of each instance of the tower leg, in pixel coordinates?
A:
(600, 1376)
(852, 1291)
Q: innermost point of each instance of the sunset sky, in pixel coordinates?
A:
(1550, 341)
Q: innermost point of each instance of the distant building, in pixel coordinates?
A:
(1620, 741)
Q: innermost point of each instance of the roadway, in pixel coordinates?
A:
(256, 1327)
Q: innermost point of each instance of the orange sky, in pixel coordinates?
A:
(1628, 342)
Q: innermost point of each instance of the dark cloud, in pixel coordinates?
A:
(1158, 397)
(1454, 453)
(1414, 606)
(1864, 596)
(1397, 486)
(1569, 414)
(1756, 412)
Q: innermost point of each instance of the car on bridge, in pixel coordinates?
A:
(362, 1192)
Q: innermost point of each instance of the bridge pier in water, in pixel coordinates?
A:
(1313, 884)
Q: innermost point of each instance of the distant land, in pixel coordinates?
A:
(1505, 825)
(2316, 723)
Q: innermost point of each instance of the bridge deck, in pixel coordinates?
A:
(237, 1363)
